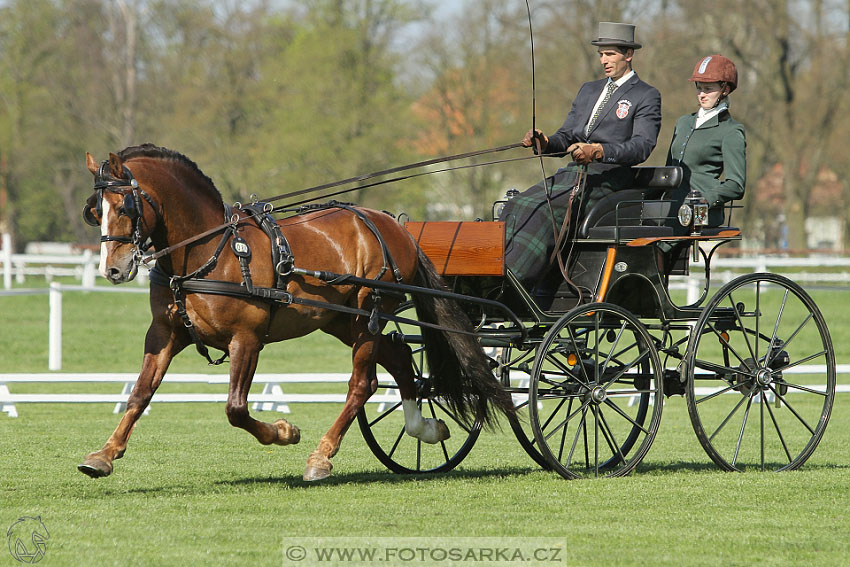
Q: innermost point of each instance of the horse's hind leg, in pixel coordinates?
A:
(396, 358)
(160, 347)
(243, 362)
(362, 383)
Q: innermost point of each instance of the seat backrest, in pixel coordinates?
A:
(629, 207)
(667, 177)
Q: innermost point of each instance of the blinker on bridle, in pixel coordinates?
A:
(131, 206)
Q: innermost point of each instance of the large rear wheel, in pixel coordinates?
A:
(382, 424)
(760, 375)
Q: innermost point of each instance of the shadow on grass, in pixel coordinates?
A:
(709, 467)
(382, 477)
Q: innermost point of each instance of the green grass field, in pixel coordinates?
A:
(192, 490)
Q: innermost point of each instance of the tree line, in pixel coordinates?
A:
(270, 97)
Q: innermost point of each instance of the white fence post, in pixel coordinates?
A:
(89, 272)
(7, 260)
(54, 357)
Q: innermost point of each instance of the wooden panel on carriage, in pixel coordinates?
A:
(462, 248)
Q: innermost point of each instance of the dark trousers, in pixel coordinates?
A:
(532, 223)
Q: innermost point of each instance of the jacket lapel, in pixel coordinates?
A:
(618, 95)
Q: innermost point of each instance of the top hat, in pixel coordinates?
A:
(621, 35)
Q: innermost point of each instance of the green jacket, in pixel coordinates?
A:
(713, 158)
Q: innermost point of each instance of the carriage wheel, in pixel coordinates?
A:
(760, 375)
(596, 392)
(382, 424)
(517, 361)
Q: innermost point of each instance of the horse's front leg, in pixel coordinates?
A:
(161, 345)
(243, 362)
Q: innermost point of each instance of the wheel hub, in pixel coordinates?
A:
(764, 377)
(598, 395)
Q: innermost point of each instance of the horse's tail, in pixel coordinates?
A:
(460, 371)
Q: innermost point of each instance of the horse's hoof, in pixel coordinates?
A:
(443, 432)
(318, 467)
(287, 433)
(95, 467)
(313, 473)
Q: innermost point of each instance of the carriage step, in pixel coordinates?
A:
(673, 385)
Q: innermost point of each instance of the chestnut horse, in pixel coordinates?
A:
(147, 192)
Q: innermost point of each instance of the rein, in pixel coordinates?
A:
(235, 218)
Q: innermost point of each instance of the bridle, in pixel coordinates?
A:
(132, 207)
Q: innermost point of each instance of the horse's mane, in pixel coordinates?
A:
(152, 151)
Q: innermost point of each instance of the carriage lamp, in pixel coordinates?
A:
(694, 214)
(499, 205)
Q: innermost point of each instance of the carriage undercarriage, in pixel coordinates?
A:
(589, 370)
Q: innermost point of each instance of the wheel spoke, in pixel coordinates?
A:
(802, 361)
(629, 366)
(804, 388)
(449, 413)
(582, 409)
(563, 435)
(626, 416)
(791, 409)
(728, 417)
(743, 328)
(384, 414)
(775, 334)
(724, 342)
(743, 427)
(397, 441)
(797, 330)
(578, 353)
(608, 433)
(779, 433)
(715, 394)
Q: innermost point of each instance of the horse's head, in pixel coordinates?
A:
(125, 213)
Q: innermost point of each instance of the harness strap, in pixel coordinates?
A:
(282, 258)
(389, 263)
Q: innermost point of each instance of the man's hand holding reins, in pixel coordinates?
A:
(534, 138)
(583, 153)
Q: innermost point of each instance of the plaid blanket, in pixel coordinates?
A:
(530, 229)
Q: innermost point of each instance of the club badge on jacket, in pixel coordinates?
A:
(623, 108)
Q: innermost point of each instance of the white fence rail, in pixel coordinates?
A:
(272, 398)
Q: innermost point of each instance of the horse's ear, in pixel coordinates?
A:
(116, 166)
(91, 164)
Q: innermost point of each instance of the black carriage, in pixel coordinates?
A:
(590, 361)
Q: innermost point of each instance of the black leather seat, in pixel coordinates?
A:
(637, 212)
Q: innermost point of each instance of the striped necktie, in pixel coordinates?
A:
(612, 86)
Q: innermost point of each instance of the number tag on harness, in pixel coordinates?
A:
(240, 247)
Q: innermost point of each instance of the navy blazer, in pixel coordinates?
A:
(627, 128)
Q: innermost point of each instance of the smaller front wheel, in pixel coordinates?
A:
(596, 392)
